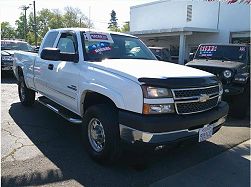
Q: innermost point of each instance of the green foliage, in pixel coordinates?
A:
(47, 19)
(125, 27)
(7, 31)
(113, 24)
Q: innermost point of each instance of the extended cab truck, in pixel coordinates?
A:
(94, 79)
(231, 64)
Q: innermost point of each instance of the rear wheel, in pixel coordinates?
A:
(26, 95)
(101, 133)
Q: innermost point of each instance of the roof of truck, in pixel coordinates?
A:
(92, 30)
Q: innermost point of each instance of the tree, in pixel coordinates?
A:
(51, 19)
(73, 17)
(125, 27)
(113, 24)
(20, 33)
(7, 31)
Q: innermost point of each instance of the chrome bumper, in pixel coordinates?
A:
(132, 135)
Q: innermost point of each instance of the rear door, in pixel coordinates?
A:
(63, 76)
(41, 65)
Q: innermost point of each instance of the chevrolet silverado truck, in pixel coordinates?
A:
(231, 64)
(119, 97)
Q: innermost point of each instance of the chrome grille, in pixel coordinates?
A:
(189, 100)
(194, 107)
(196, 92)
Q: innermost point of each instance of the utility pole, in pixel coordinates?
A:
(35, 22)
(25, 8)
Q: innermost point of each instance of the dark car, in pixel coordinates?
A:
(231, 64)
(161, 53)
(6, 61)
(8, 47)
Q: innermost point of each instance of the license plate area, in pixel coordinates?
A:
(205, 133)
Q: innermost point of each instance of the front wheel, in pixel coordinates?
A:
(101, 133)
(26, 95)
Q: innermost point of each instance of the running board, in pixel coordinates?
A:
(65, 113)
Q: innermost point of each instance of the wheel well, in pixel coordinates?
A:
(93, 98)
(19, 72)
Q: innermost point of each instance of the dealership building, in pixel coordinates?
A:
(182, 25)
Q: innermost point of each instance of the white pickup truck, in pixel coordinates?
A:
(113, 85)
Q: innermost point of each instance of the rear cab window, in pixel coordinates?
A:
(50, 39)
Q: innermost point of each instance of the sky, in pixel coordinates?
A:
(99, 9)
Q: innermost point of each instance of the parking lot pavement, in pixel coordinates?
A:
(231, 168)
(40, 148)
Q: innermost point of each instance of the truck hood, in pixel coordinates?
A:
(216, 64)
(138, 68)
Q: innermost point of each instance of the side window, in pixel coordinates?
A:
(67, 44)
(133, 49)
(50, 39)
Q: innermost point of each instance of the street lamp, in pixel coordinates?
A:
(25, 8)
(35, 22)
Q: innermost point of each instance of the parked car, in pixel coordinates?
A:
(162, 53)
(231, 64)
(8, 48)
(91, 78)
(6, 61)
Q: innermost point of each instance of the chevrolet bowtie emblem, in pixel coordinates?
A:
(203, 98)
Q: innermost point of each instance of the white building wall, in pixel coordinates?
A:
(173, 14)
(168, 14)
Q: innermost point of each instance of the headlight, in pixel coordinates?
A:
(158, 108)
(7, 58)
(227, 74)
(220, 88)
(153, 92)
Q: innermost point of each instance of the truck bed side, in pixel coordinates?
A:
(25, 61)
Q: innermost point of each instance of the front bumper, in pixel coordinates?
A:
(162, 129)
(229, 90)
(6, 66)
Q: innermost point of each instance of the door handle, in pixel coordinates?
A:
(50, 66)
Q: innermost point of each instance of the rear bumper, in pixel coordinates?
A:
(161, 129)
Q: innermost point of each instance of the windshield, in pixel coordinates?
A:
(11, 45)
(221, 52)
(99, 46)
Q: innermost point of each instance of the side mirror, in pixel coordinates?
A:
(50, 54)
(36, 49)
(72, 57)
(55, 55)
(159, 57)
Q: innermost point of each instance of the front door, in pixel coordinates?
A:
(62, 76)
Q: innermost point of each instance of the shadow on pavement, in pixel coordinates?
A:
(61, 143)
(8, 78)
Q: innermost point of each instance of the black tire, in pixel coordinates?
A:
(108, 117)
(240, 104)
(26, 95)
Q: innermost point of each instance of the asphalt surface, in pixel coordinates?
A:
(40, 148)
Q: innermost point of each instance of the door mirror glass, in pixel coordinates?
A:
(50, 54)
(55, 55)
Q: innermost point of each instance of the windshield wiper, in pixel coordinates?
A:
(225, 58)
